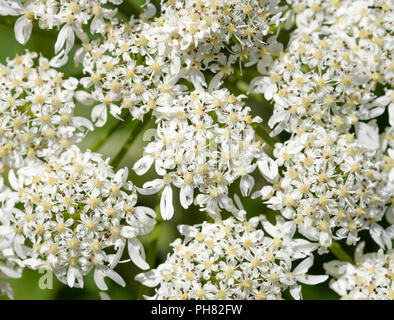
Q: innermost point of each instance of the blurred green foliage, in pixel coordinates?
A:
(156, 244)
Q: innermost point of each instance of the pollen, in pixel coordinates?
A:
(299, 81)
(277, 242)
(359, 281)
(29, 14)
(74, 7)
(202, 169)
(273, 277)
(222, 294)
(60, 227)
(341, 214)
(346, 80)
(47, 206)
(246, 284)
(275, 77)
(188, 178)
(95, 77)
(93, 202)
(128, 208)
(90, 224)
(298, 218)
(282, 92)
(97, 10)
(323, 177)
(208, 264)
(329, 100)
(155, 66)
(209, 244)
(115, 231)
(323, 225)
(199, 237)
(115, 86)
(189, 276)
(261, 295)
(233, 117)
(293, 173)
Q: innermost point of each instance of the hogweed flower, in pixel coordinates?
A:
(331, 69)
(370, 279)
(69, 16)
(72, 214)
(204, 141)
(140, 64)
(231, 259)
(37, 110)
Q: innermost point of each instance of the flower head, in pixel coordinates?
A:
(370, 279)
(72, 214)
(37, 111)
(229, 259)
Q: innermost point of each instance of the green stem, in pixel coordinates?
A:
(135, 129)
(263, 134)
(129, 9)
(105, 136)
(340, 253)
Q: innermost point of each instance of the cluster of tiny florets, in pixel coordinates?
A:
(139, 64)
(371, 278)
(72, 18)
(204, 141)
(200, 70)
(36, 111)
(331, 186)
(66, 213)
(231, 259)
(335, 169)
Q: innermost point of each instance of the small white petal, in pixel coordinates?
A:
(166, 207)
(137, 254)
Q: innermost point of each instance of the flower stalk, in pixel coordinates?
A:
(340, 253)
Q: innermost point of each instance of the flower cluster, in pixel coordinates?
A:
(66, 214)
(370, 279)
(204, 141)
(36, 111)
(10, 267)
(231, 259)
(331, 186)
(331, 90)
(139, 64)
(71, 17)
(331, 69)
(335, 169)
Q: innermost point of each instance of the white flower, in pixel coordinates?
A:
(139, 64)
(204, 141)
(332, 185)
(68, 16)
(370, 279)
(227, 259)
(37, 111)
(45, 233)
